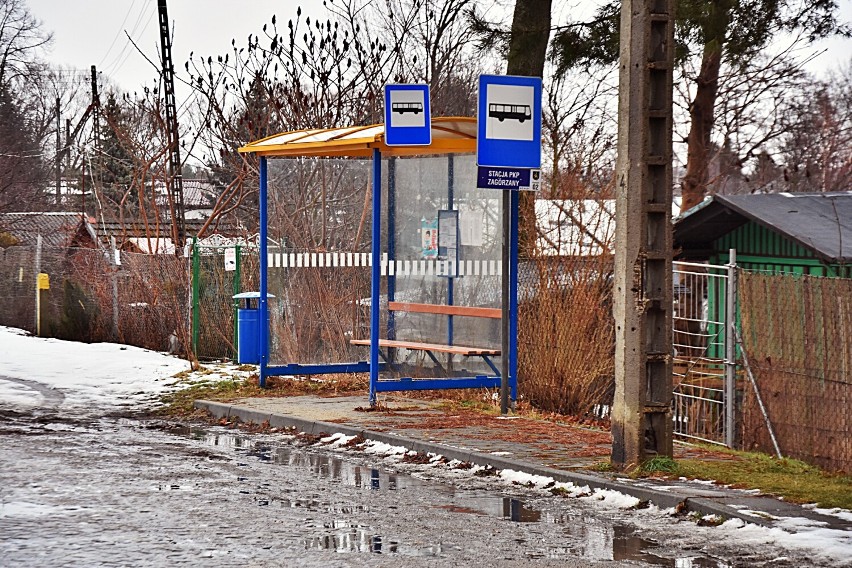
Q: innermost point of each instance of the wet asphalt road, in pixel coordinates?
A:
(79, 489)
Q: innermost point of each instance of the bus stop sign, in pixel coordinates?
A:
(509, 122)
(407, 115)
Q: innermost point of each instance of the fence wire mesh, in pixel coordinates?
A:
(796, 330)
(698, 341)
(142, 301)
(566, 339)
(797, 333)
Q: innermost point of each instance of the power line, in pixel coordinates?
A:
(117, 33)
(118, 62)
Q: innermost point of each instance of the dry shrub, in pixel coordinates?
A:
(565, 336)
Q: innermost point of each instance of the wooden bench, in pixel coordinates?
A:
(435, 347)
(431, 348)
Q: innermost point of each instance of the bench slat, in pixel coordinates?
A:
(417, 346)
(471, 311)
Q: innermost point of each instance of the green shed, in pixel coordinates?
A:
(792, 233)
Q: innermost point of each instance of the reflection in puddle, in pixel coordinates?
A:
(618, 542)
(586, 537)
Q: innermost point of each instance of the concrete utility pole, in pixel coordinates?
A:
(641, 414)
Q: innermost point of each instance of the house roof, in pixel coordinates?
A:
(819, 222)
(57, 229)
(197, 193)
(455, 134)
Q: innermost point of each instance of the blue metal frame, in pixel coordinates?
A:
(320, 369)
(391, 244)
(376, 277)
(513, 296)
(410, 384)
(451, 279)
(262, 304)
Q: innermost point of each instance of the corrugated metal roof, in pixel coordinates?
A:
(449, 135)
(820, 222)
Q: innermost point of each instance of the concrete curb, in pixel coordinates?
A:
(687, 501)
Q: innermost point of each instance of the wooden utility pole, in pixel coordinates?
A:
(641, 414)
(174, 176)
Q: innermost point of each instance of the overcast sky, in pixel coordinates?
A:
(92, 32)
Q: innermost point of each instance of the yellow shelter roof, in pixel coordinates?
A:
(455, 134)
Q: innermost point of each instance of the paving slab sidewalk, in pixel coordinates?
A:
(559, 451)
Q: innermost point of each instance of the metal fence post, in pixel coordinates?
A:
(114, 263)
(731, 350)
(37, 315)
(196, 311)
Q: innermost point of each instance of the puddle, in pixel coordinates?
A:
(619, 542)
(585, 537)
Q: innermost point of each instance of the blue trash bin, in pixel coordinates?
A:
(248, 328)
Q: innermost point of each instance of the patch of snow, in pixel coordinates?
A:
(827, 545)
(380, 448)
(614, 499)
(102, 374)
(527, 479)
(337, 440)
(19, 395)
(501, 453)
(844, 514)
(573, 490)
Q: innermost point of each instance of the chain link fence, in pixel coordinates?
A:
(566, 342)
(141, 300)
(796, 329)
(797, 334)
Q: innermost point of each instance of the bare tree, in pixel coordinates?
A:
(21, 38)
(323, 73)
(816, 148)
(22, 162)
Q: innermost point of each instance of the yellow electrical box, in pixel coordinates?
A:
(43, 281)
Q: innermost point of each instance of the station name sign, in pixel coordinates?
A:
(489, 177)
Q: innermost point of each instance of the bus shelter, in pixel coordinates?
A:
(434, 315)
